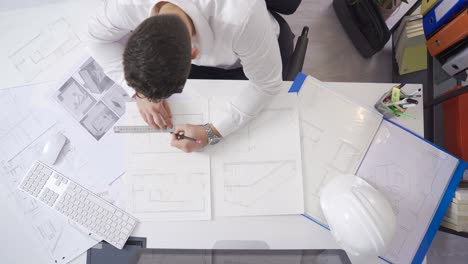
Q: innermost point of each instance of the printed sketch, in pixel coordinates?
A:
(115, 99)
(94, 78)
(99, 120)
(75, 99)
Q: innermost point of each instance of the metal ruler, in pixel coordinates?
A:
(139, 129)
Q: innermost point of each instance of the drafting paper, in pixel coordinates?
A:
(25, 127)
(163, 183)
(41, 48)
(335, 134)
(183, 112)
(413, 175)
(257, 170)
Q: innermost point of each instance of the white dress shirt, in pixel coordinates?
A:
(229, 33)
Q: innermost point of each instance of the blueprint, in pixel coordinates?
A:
(22, 138)
(334, 141)
(413, 175)
(257, 170)
(164, 183)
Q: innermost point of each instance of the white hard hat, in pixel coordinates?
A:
(359, 216)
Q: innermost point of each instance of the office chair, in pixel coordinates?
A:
(293, 56)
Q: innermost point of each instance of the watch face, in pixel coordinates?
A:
(213, 140)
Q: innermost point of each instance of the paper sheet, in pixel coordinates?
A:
(92, 99)
(29, 117)
(22, 135)
(163, 183)
(41, 42)
(257, 170)
(336, 134)
(413, 175)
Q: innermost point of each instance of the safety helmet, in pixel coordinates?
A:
(359, 216)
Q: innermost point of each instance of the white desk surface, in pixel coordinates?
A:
(280, 232)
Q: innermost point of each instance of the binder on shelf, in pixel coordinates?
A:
(458, 47)
(427, 5)
(418, 178)
(452, 33)
(441, 14)
(411, 54)
(408, 22)
(457, 63)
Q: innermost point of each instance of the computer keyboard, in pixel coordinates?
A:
(99, 218)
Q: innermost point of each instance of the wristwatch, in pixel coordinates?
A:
(212, 138)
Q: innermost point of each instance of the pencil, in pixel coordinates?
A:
(182, 136)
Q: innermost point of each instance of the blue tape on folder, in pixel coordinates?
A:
(443, 204)
(297, 84)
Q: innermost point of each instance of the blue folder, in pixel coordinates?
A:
(444, 202)
(442, 14)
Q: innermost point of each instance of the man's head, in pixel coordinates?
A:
(157, 57)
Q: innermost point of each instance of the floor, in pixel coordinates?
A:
(332, 57)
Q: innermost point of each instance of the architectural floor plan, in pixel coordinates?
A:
(257, 170)
(413, 181)
(22, 138)
(163, 183)
(334, 142)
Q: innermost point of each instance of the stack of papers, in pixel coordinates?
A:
(409, 41)
(457, 214)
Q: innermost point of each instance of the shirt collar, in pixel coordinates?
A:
(203, 38)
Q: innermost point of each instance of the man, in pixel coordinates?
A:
(152, 44)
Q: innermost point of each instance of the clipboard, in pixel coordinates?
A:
(425, 225)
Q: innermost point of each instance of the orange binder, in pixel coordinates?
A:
(452, 33)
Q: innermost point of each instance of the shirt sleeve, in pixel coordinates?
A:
(106, 39)
(257, 47)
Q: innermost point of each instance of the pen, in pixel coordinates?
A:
(401, 85)
(182, 136)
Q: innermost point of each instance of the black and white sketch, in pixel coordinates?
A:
(73, 97)
(115, 99)
(99, 120)
(94, 78)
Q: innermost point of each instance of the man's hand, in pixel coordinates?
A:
(196, 132)
(157, 115)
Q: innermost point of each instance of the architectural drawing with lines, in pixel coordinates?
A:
(48, 46)
(413, 175)
(163, 183)
(250, 176)
(334, 142)
(22, 137)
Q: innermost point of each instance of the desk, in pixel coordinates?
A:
(281, 232)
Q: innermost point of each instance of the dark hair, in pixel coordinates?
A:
(157, 57)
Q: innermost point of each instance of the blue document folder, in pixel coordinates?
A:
(442, 14)
(418, 178)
